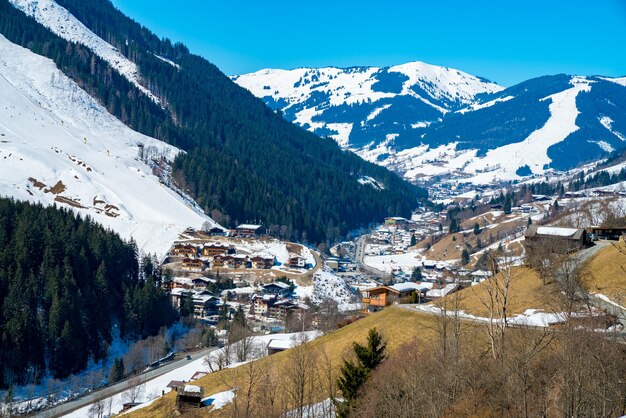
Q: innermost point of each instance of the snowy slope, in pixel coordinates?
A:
(51, 131)
(424, 121)
(352, 104)
(64, 24)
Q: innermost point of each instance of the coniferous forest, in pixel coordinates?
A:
(242, 159)
(65, 282)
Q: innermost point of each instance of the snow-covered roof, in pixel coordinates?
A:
(193, 389)
(248, 226)
(282, 285)
(405, 287)
(279, 344)
(556, 231)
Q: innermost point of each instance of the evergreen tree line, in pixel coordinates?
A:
(64, 283)
(242, 159)
(599, 179)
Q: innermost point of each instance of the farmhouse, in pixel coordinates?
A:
(576, 237)
(248, 230)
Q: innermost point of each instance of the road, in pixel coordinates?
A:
(88, 399)
(359, 253)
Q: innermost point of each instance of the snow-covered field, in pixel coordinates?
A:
(388, 263)
(52, 131)
(152, 389)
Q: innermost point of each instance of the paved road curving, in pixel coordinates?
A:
(93, 397)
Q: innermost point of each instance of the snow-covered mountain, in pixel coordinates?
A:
(361, 107)
(59, 146)
(425, 121)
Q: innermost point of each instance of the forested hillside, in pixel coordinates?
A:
(242, 159)
(64, 282)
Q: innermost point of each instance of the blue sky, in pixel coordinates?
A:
(505, 41)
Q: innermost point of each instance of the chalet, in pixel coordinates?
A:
(607, 233)
(261, 304)
(282, 308)
(193, 264)
(184, 250)
(204, 303)
(276, 288)
(237, 261)
(218, 261)
(211, 250)
(378, 297)
(216, 232)
(575, 237)
(189, 396)
(200, 283)
(248, 230)
(295, 261)
(262, 262)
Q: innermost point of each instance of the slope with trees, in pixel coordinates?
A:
(242, 159)
(64, 283)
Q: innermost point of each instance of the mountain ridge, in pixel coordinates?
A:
(458, 140)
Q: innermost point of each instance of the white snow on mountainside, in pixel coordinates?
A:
(64, 24)
(502, 163)
(58, 145)
(309, 92)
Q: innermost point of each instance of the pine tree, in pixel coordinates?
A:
(465, 257)
(476, 229)
(416, 275)
(507, 204)
(354, 374)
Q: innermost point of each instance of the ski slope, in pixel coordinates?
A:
(59, 146)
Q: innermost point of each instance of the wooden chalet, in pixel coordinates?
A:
(216, 232)
(211, 250)
(184, 250)
(276, 288)
(378, 297)
(248, 230)
(262, 262)
(235, 261)
(193, 264)
(218, 261)
(295, 261)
